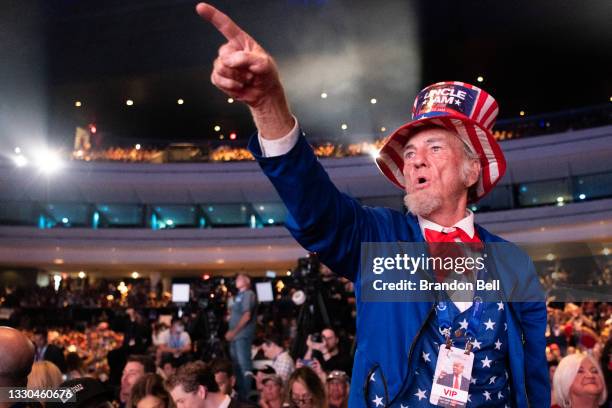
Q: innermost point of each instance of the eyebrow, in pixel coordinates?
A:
(429, 141)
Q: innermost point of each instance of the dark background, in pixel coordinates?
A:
(538, 56)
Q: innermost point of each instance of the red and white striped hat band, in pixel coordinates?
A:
(462, 108)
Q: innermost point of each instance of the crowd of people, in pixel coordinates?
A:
(506, 130)
(138, 361)
(251, 359)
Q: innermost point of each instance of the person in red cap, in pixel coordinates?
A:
(443, 159)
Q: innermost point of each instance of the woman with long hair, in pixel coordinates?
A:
(305, 389)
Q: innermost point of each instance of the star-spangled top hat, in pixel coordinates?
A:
(462, 108)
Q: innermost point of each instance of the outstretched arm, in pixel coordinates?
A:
(246, 72)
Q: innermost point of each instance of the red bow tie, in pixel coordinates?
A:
(437, 236)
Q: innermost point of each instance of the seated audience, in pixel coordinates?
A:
(44, 375)
(149, 392)
(46, 351)
(271, 392)
(338, 389)
(135, 368)
(305, 389)
(579, 382)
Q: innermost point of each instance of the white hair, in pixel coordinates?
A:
(566, 373)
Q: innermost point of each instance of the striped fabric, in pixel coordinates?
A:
(459, 107)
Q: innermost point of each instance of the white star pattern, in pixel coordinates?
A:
(416, 372)
(469, 397)
(372, 377)
(505, 326)
(492, 380)
(489, 324)
(476, 343)
(487, 395)
(498, 345)
(420, 394)
(463, 324)
(403, 406)
(506, 372)
(426, 357)
(500, 306)
(378, 401)
(473, 381)
(486, 362)
(500, 395)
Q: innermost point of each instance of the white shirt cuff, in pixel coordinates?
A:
(278, 147)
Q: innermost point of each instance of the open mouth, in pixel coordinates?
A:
(421, 183)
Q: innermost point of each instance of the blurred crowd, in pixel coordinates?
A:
(232, 151)
(231, 350)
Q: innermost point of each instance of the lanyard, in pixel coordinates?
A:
(473, 323)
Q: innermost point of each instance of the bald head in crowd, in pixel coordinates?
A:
(16, 357)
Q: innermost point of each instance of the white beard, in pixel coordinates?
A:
(422, 203)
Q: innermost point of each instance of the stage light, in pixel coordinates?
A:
(221, 137)
(57, 280)
(78, 104)
(82, 275)
(261, 208)
(373, 101)
(217, 128)
(480, 79)
(48, 161)
(372, 151)
(383, 129)
(550, 257)
(560, 199)
(606, 251)
(138, 146)
(270, 220)
(65, 220)
(522, 113)
(206, 276)
(324, 95)
(93, 129)
(582, 196)
(180, 101)
(20, 161)
(233, 136)
(170, 222)
(230, 100)
(18, 150)
(135, 275)
(344, 126)
(129, 102)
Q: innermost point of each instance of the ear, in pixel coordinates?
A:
(473, 173)
(233, 381)
(202, 392)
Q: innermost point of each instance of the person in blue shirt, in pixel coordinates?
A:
(443, 159)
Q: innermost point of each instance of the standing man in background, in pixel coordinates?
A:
(242, 332)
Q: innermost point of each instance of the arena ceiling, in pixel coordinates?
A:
(537, 56)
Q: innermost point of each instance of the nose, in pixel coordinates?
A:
(419, 160)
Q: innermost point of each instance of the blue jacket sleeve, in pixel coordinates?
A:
(321, 218)
(533, 320)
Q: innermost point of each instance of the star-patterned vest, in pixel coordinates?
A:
(489, 386)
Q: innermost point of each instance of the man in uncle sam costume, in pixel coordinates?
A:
(443, 159)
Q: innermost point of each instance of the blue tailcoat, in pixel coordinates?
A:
(332, 224)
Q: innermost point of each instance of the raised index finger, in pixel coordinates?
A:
(222, 22)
